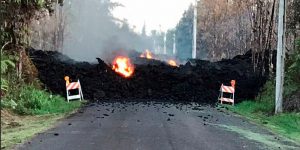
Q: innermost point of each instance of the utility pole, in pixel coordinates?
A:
(154, 46)
(280, 57)
(194, 51)
(165, 46)
(174, 45)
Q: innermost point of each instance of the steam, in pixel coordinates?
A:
(92, 32)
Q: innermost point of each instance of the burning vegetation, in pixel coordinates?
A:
(147, 54)
(172, 63)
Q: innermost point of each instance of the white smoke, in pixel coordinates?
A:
(92, 32)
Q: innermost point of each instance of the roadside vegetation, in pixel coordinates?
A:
(286, 124)
(261, 110)
(30, 100)
(16, 129)
(26, 107)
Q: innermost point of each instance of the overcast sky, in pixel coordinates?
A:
(166, 13)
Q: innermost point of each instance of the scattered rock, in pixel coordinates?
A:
(91, 105)
(171, 115)
(197, 108)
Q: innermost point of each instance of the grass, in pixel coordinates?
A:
(27, 127)
(261, 110)
(268, 141)
(31, 111)
(30, 100)
(286, 124)
(57, 106)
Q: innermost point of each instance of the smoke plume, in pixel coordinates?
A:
(93, 32)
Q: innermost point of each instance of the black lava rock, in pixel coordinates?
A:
(199, 82)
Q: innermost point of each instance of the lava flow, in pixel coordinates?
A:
(123, 66)
(147, 54)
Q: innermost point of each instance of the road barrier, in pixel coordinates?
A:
(73, 86)
(227, 89)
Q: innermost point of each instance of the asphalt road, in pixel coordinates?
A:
(155, 126)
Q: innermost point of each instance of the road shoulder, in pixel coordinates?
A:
(16, 129)
(265, 122)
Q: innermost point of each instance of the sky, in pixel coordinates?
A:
(157, 14)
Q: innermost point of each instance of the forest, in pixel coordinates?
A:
(227, 28)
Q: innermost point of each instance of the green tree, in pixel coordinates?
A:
(184, 34)
(294, 14)
(170, 41)
(6, 64)
(15, 16)
(294, 67)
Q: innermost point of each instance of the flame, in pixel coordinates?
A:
(172, 63)
(123, 66)
(147, 54)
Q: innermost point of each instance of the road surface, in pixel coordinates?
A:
(154, 126)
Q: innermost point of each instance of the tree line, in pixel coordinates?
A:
(227, 28)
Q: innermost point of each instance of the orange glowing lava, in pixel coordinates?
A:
(172, 63)
(123, 66)
(147, 54)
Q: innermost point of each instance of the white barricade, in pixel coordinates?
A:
(227, 89)
(73, 86)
